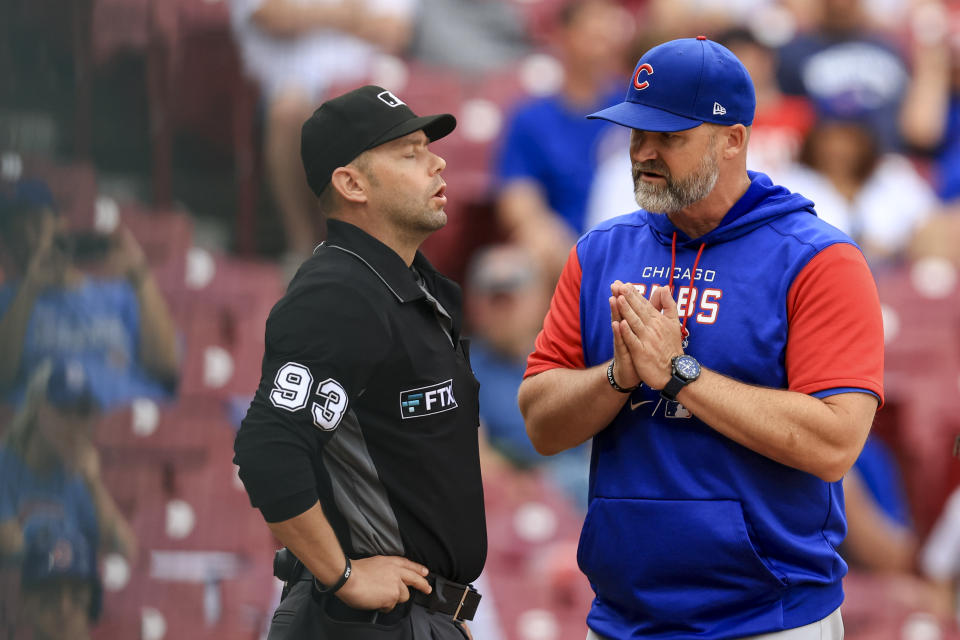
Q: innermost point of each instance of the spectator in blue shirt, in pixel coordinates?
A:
(847, 70)
(116, 325)
(48, 464)
(549, 153)
(506, 301)
(56, 514)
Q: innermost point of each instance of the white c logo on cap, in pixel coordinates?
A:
(389, 99)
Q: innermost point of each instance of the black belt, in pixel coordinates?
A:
(459, 601)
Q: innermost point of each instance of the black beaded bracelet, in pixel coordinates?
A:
(613, 383)
(336, 587)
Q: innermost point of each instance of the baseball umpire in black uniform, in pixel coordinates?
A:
(360, 446)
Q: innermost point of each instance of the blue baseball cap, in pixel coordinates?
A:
(27, 194)
(683, 83)
(55, 549)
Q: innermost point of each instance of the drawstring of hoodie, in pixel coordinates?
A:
(692, 302)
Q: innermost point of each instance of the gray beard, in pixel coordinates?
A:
(675, 194)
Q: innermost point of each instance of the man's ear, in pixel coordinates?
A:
(350, 183)
(735, 141)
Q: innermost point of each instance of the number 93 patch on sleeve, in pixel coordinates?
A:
(292, 388)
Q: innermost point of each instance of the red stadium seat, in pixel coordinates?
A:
(204, 565)
(222, 319)
(531, 559)
(165, 237)
(118, 25)
(148, 425)
(193, 79)
(197, 85)
(206, 508)
(922, 380)
(878, 607)
(161, 608)
(539, 18)
(143, 447)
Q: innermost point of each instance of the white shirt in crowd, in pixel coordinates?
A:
(312, 62)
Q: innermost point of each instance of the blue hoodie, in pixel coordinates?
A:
(689, 534)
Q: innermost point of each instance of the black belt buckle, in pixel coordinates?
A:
(459, 601)
(463, 598)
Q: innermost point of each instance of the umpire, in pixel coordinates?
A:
(360, 446)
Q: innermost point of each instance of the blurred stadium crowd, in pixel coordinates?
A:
(153, 206)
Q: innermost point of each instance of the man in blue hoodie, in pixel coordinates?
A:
(723, 347)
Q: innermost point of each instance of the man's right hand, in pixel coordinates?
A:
(48, 265)
(624, 371)
(382, 582)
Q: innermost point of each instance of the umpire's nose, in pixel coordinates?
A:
(439, 164)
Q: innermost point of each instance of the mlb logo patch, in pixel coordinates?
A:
(674, 409)
(425, 401)
(387, 98)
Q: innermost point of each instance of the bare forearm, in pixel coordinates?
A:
(311, 538)
(115, 533)
(284, 19)
(390, 33)
(822, 437)
(923, 115)
(526, 216)
(522, 208)
(875, 541)
(158, 336)
(11, 538)
(13, 329)
(565, 407)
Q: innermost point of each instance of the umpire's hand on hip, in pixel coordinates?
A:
(381, 582)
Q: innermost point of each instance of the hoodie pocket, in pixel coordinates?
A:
(670, 560)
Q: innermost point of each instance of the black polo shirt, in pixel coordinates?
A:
(367, 402)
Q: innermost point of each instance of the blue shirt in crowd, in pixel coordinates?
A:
(552, 143)
(96, 324)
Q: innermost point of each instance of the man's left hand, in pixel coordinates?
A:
(650, 329)
(127, 257)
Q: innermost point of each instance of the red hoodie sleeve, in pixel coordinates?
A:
(559, 343)
(835, 337)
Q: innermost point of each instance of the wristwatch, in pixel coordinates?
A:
(684, 370)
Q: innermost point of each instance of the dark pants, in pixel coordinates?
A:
(305, 615)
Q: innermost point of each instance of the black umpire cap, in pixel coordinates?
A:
(346, 126)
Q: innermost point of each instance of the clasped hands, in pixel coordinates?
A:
(646, 335)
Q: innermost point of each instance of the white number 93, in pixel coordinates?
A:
(291, 391)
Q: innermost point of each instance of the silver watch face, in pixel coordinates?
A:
(687, 367)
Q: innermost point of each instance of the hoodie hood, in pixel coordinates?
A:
(762, 203)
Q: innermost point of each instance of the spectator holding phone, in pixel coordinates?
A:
(115, 323)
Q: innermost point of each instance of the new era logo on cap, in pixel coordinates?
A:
(389, 99)
(718, 109)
